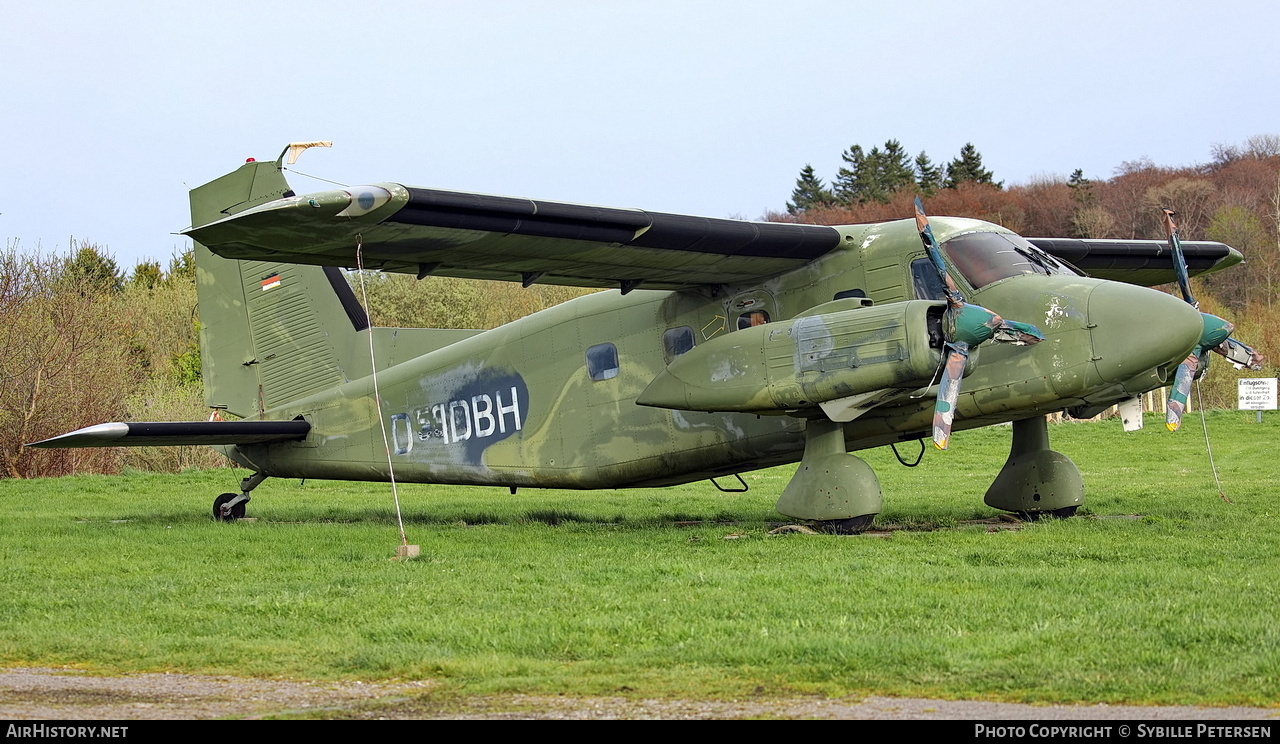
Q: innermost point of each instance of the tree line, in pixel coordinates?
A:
(1233, 198)
(877, 174)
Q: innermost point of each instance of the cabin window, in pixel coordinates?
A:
(753, 318)
(602, 362)
(924, 276)
(676, 341)
(987, 257)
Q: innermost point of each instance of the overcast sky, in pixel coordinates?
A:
(112, 111)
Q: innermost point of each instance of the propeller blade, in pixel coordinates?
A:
(974, 324)
(1181, 390)
(1241, 354)
(931, 247)
(1215, 336)
(1179, 261)
(1017, 333)
(965, 327)
(944, 411)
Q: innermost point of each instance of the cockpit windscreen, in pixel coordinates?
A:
(987, 257)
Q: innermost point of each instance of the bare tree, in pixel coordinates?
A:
(65, 364)
(1194, 199)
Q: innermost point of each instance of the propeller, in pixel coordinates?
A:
(964, 327)
(1216, 336)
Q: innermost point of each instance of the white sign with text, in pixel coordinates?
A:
(1257, 394)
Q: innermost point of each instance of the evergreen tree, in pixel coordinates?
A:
(147, 274)
(809, 192)
(894, 168)
(968, 167)
(872, 186)
(849, 179)
(90, 269)
(183, 265)
(874, 175)
(928, 175)
(1081, 189)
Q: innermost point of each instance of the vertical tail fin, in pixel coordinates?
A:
(270, 333)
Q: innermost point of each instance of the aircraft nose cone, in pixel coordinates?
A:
(1135, 329)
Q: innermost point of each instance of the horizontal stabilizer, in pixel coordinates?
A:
(169, 433)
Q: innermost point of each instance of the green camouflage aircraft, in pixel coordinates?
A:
(726, 346)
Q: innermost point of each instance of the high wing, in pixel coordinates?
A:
(479, 236)
(168, 433)
(450, 233)
(1146, 263)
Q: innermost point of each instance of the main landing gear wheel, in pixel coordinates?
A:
(851, 526)
(236, 512)
(1063, 513)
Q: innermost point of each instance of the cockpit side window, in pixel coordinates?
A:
(752, 318)
(925, 278)
(987, 257)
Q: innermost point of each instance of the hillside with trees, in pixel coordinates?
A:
(84, 341)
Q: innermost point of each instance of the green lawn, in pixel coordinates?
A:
(610, 592)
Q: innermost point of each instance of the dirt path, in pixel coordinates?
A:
(51, 694)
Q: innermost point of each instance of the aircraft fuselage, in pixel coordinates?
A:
(550, 400)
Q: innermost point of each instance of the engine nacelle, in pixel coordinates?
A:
(799, 363)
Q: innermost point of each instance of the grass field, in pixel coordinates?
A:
(616, 592)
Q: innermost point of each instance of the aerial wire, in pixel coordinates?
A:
(377, 397)
(1205, 424)
(932, 380)
(318, 178)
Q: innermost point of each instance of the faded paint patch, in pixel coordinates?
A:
(1058, 312)
(725, 370)
(813, 341)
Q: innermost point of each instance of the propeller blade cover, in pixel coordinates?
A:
(944, 410)
(974, 324)
(1181, 391)
(1241, 354)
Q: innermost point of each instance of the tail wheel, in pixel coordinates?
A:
(237, 511)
